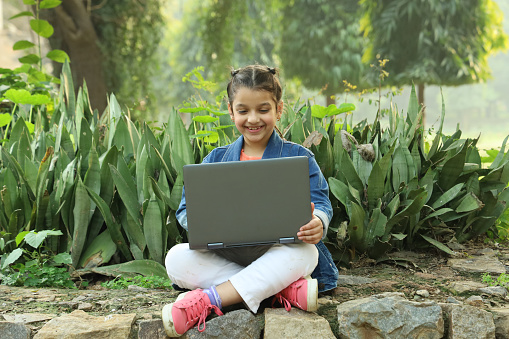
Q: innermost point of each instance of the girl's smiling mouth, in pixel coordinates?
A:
(254, 129)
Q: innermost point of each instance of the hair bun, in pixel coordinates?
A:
(234, 72)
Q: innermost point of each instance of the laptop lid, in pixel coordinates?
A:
(243, 203)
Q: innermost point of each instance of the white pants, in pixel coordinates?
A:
(269, 274)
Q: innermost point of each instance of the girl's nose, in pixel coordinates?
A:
(252, 118)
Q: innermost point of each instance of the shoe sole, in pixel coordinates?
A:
(312, 297)
(167, 318)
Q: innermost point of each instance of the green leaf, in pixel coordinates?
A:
(62, 258)
(29, 2)
(22, 44)
(58, 56)
(99, 251)
(12, 257)
(469, 203)
(42, 27)
(5, 118)
(448, 196)
(20, 237)
(133, 268)
(153, 230)
(204, 119)
(49, 4)
(438, 245)
(25, 13)
(81, 213)
(35, 239)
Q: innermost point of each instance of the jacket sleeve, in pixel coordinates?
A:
(319, 194)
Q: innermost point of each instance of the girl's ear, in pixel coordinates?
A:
(280, 109)
(230, 111)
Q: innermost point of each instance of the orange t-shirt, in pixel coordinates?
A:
(244, 157)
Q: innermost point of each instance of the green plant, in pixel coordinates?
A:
(502, 280)
(151, 281)
(37, 267)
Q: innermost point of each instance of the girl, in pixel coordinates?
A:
(219, 278)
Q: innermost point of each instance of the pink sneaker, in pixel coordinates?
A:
(190, 308)
(302, 293)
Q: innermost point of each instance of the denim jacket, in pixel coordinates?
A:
(326, 272)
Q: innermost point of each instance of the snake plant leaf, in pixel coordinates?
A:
(340, 191)
(413, 208)
(93, 176)
(375, 227)
(17, 132)
(498, 159)
(399, 168)
(338, 151)
(159, 192)
(472, 185)
(141, 163)
(452, 169)
(152, 228)
(107, 185)
(123, 137)
(113, 227)
(41, 210)
(448, 196)
(68, 86)
(469, 203)
(348, 170)
(356, 228)
(24, 150)
(375, 185)
(176, 192)
(180, 143)
(413, 105)
(165, 167)
(324, 157)
(113, 117)
(18, 172)
(81, 219)
(15, 219)
(438, 245)
(127, 194)
(99, 251)
(134, 233)
(297, 131)
(134, 268)
(427, 182)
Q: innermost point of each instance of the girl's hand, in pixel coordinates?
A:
(312, 232)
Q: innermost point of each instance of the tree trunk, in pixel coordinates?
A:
(75, 34)
(420, 99)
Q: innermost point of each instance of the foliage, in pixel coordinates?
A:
(139, 280)
(321, 44)
(433, 42)
(502, 280)
(129, 34)
(41, 268)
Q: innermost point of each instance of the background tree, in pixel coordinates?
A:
(112, 45)
(435, 42)
(321, 44)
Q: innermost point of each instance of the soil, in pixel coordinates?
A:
(406, 272)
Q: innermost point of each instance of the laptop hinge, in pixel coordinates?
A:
(215, 245)
(289, 240)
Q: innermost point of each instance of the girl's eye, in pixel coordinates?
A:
(264, 110)
(241, 112)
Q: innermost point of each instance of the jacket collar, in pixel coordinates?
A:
(273, 150)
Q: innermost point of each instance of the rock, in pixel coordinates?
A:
(80, 325)
(501, 319)
(14, 330)
(85, 306)
(137, 288)
(240, 324)
(295, 324)
(483, 264)
(475, 300)
(389, 315)
(28, 318)
(451, 300)
(151, 329)
(465, 286)
(494, 290)
(467, 322)
(338, 291)
(354, 280)
(422, 293)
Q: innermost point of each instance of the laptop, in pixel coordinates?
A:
(247, 203)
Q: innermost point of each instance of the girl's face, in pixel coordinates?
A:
(255, 114)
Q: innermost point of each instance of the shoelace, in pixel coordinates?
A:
(287, 302)
(193, 312)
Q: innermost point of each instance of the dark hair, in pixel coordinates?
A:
(256, 77)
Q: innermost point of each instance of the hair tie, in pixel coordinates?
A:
(234, 72)
(272, 70)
